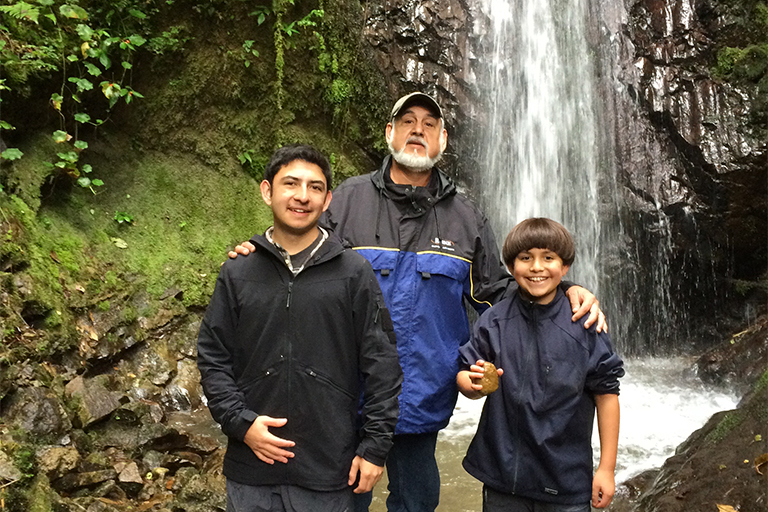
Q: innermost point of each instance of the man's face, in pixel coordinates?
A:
(538, 272)
(416, 139)
(298, 196)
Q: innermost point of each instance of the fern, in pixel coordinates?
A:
(22, 11)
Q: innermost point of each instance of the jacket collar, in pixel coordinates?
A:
(445, 186)
(532, 309)
(331, 248)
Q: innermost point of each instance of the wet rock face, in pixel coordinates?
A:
(708, 124)
(427, 45)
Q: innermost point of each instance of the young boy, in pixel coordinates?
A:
(532, 450)
(289, 337)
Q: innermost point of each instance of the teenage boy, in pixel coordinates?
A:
(532, 449)
(290, 337)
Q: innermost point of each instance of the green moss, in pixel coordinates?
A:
(731, 420)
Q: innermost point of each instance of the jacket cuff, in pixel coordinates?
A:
(241, 425)
(369, 453)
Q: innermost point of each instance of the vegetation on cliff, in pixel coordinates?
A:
(133, 138)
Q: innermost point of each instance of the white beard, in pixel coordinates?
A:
(415, 162)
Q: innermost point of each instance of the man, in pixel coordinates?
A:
(431, 248)
(291, 336)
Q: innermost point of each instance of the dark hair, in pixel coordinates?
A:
(539, 233)
(287, 154)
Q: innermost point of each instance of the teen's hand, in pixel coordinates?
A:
(245, 249)
(603, 488)
(370, 474)
(583, 301)
(268, 447)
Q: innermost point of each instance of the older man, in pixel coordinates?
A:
(431, 248)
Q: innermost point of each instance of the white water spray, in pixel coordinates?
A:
(542, 156)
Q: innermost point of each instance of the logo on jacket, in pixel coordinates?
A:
(446, 245)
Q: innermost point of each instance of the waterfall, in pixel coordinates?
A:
(542, 153)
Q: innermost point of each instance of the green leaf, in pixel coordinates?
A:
(81, 144)
(83, 84)
(84, 181)
(45, 3)
(92, 69)
(87, 169)
(137, 14)
(97, 183)
(85, 32)
(52, 17)
(137, 40)
(73, 11)
(82, 117)
(69, 156)
(104, 60)
(6, 126)
(22, 11)
(60, 136)
(71, 58)
(11, 154)
(138, 95)
(127, 65)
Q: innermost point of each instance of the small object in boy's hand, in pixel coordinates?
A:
(490, 380)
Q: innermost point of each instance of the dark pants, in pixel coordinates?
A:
(285, 498)
(495, 501)
(414, 480)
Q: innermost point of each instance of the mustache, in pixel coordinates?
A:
(415, 139)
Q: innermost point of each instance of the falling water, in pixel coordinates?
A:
(542, 157)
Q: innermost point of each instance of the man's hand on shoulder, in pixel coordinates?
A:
(268, 447)
(583, 301)
(370, 474)
(245, 249)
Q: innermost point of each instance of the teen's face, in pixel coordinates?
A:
(418, 132)
(538, 272)
(298, 196)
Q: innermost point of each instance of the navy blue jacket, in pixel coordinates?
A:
(430, 248)
(535, 431)
(298, 347)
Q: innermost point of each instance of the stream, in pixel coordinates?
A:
(662, 403)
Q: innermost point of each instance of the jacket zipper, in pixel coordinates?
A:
(529, 348)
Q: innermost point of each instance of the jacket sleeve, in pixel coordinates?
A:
(481, 345)
(379, 368)
(489, 281)
(215, 360)
(606, 367)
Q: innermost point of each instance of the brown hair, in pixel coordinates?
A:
(539, 233)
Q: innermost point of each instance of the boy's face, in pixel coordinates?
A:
(538, 272)
(298, 195)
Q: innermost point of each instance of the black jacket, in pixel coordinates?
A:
(430, 248)
(535, 432)
(299, 347)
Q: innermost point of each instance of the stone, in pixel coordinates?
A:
(93, 400)
(38, 411)
(74, 481)
(57, 461)
(490, 380)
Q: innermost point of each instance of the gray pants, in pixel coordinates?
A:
(285, 498)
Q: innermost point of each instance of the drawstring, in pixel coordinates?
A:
(437, 226)
(378, 214)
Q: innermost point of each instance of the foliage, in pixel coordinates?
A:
(89, 52)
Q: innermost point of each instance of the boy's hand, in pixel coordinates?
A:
(603, 488)
(245, 249)
(268, 447)
(583, 301)
(370, 474)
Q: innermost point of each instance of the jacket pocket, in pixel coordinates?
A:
(429, 264)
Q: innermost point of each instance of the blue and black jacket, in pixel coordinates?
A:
(431, 248)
